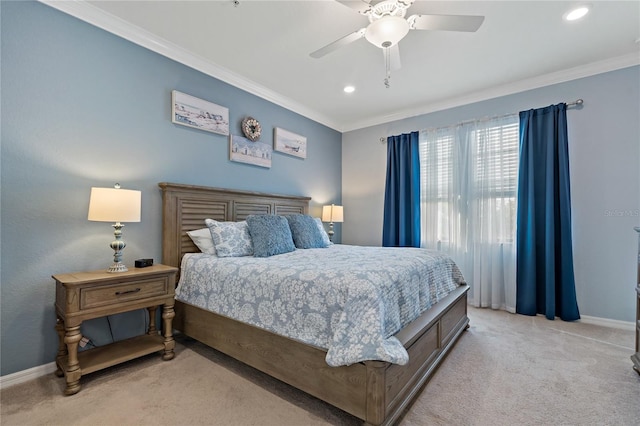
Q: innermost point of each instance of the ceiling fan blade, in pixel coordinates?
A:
(392, 57)
(466, 23)
(350, 38)
(361, 6)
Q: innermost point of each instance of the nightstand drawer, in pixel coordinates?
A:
(117, 293)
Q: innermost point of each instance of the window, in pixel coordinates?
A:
(436, 176)
(468, 190)
(469, 173)
(495, 180)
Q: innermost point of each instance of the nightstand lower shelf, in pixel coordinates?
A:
(106, 356)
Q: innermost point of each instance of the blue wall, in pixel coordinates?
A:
(81, 108)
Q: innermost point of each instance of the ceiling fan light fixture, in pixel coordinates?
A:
(387, 31)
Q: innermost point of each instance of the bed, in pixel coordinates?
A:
(375, 391)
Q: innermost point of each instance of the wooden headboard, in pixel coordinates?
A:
(185, 207)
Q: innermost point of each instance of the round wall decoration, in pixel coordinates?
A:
(251, 128)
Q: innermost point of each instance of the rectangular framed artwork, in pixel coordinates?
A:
(245, 151)
(289, 143)
(200, 114)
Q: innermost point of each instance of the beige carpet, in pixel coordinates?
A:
(505, 370)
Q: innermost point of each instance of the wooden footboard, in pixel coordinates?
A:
(428, 340)
(374, 391)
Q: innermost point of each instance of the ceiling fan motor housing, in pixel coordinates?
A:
(387, 8)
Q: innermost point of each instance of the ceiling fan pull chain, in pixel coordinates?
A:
(387, 66)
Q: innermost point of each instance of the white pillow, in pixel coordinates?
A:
(231, 239)
(203, 240)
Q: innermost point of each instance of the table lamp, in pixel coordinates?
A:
(115, 205)
(332, 214)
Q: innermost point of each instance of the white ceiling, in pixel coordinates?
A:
(263, 46)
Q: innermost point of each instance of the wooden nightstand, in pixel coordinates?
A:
(85, 295)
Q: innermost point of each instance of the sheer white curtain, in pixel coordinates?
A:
(469, 174)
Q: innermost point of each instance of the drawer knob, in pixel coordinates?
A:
(120, 293)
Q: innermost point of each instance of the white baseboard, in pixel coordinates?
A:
(26, 375)
(605, 322)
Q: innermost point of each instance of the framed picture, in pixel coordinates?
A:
(289, 143)
(199, 114)
(243, 150)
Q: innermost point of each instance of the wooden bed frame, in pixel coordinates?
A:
(374, 391)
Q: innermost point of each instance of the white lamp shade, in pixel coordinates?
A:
(332, 213)
(387, 31)
(114, 205)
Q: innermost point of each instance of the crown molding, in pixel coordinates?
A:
(562, 76)
(86, 12)
(97, 17)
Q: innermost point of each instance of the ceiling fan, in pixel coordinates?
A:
(388, 25)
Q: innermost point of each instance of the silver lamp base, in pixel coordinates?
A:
(117, 245)
(330, 233)
(118, 267)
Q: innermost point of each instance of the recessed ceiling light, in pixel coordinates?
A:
(576, 13)
(349, 89)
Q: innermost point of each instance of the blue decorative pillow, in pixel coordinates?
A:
(270, 235)
(305, 232)
(231, 239)
(325, 237)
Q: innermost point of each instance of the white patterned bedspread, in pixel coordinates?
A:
(347, 300)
